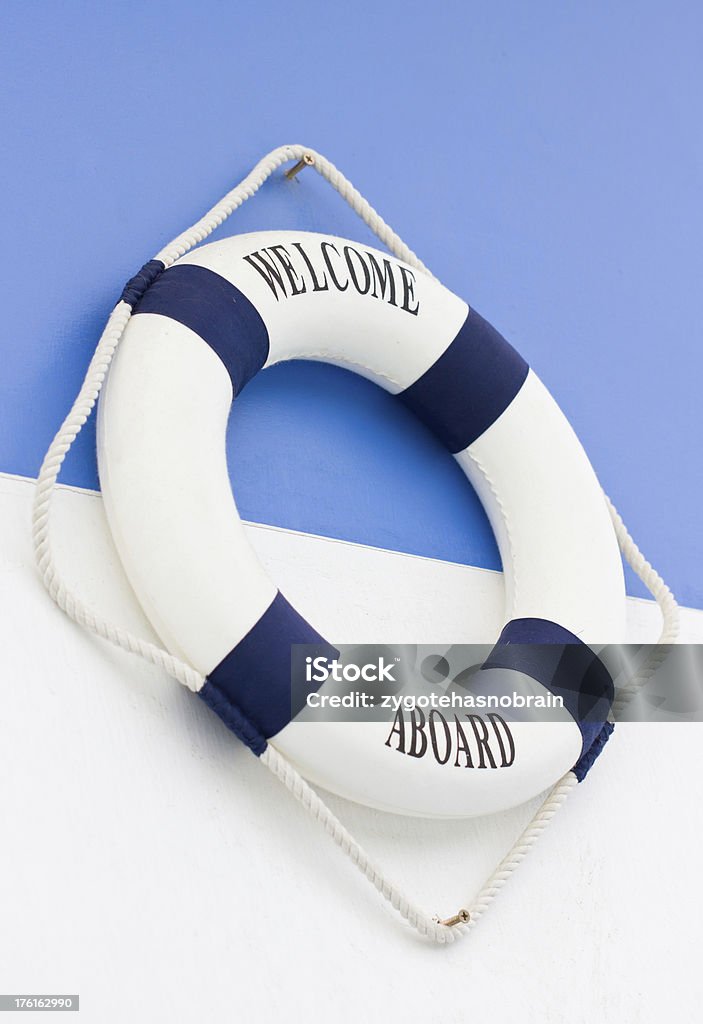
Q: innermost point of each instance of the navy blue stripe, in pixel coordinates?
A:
(469, 386)
(215, 310)
(137, 285)
(565, 665)
(252, 684)
(585, 762)
(221, 703)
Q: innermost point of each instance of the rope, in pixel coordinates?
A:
(667, 605)
(70, 603)
(430, 927)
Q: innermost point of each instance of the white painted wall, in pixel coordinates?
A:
(149, 863)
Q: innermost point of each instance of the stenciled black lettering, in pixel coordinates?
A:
(324, 246)
(348, 253)
(317, 286)
(269, 272)
(418, 739)
(408, 291)
(289, 273)
(399, 730)
(506, 757)
(462, 746)
(480, 730)
(382, 278)
(283, 256)
(433, 717)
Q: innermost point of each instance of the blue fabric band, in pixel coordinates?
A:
(137, 285)
(253, 682)
(567, 667)
(216, 311)
(585, 762)
(469, 386)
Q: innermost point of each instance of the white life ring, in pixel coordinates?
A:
(201, 330)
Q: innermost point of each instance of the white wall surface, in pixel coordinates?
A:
(149, 863)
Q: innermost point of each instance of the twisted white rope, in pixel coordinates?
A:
(430, 927)
(186, 674)
(667, 604)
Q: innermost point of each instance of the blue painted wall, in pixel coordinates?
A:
(544, 159)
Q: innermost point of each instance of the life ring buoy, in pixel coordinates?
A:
(203, 329)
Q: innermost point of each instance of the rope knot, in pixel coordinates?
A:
(135, 288)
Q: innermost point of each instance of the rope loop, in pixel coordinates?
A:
(433, 928)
